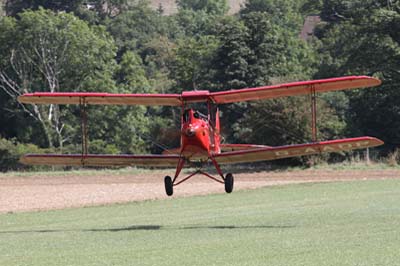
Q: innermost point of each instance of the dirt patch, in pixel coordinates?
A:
(34, 193)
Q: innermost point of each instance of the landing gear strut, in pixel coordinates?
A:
(170, 183)
(228, 181)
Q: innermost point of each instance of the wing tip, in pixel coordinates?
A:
(376, 141)
(374, 81)
(29, 159)
(23, 160)
(22, 99)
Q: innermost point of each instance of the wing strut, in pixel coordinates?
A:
(84, 130)
(313, 113)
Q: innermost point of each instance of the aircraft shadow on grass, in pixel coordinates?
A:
(159, 227)
(154, 228)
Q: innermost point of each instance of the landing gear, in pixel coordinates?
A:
(228, 183)
(169, 187)
(170, 183)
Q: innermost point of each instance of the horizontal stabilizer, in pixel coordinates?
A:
(103, 160)
(239, 147)
(273, 153)
(172, 151)
(224, 148)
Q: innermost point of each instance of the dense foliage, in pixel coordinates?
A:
(126, 46)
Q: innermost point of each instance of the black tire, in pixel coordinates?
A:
(169, 187)
(229, 183)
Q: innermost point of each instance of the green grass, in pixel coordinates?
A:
(349, 223)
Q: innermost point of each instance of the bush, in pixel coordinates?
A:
(99, 146)
(8, 155)
(11, 151)
(393, 158)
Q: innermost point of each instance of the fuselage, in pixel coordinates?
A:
(199, 135)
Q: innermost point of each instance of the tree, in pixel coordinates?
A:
(254, 52)
(363, 37)
(190, 68)
(13, 7)
(110, 8)
(52, 52)
(231, 59)
(285, 121)
(198, 17)
(158, 57)
(131, 74)
(135, 27)
(214, 7)
(284, 13)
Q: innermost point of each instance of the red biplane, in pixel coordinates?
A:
(200, 133)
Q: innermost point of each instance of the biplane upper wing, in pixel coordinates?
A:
(100, 98)
(100, 160)
(248, 94)
(295, 88)
(273, 153)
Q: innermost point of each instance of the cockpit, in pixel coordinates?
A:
(190, 113)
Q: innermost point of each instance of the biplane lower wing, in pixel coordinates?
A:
(100, 160)
(274, 153)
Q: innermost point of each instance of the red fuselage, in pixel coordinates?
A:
(199, 136)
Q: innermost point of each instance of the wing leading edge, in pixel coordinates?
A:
(274, 153)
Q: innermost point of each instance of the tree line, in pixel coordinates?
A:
(122, 46)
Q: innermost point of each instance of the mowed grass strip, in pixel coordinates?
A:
(348, 223)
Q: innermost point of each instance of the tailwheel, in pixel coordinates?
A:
(228, 183)
(169, 187)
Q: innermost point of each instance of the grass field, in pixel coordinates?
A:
(345, 223)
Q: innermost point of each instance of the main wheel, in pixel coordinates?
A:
(169, 187)
(228, 183)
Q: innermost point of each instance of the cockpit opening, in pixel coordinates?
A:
(187, 115)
